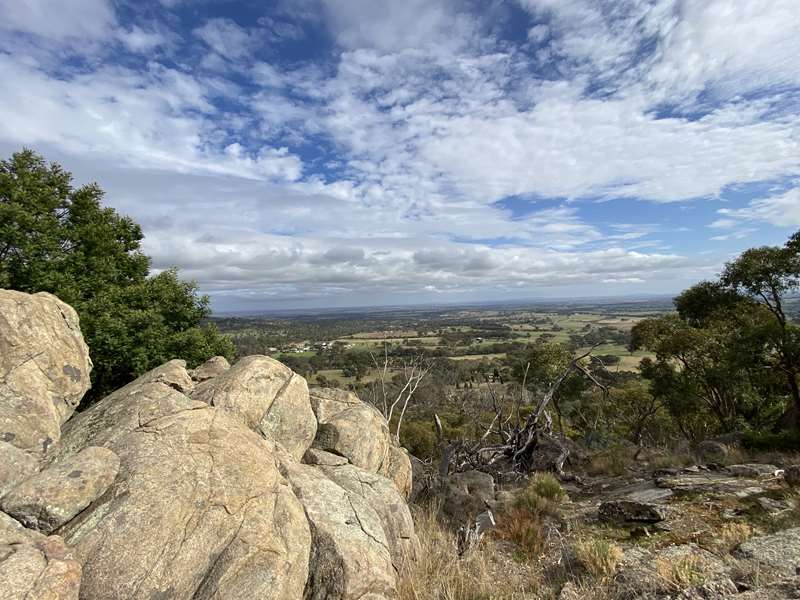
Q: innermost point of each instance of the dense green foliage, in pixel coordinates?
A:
(730, 358)
(60, 239)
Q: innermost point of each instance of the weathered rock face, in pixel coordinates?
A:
(173, 486)
(268, 397)
(198, 509)
(351, 428)
(15, 466)
(44, 368)
(384, 497)
(211, 368)
(712, 451)
(33, 566)
(55, 495)
(350, 557)
(397, 467)
(779, 551)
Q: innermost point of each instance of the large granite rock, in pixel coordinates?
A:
(198, 510)
(268, 397)
(44, 368)
(350, 427)
(779, 551)
(350, 556)
(792, 475)
(384, 497)
(55, 495)
(35, 567)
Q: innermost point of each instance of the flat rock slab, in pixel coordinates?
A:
(781, 550)
(644, 492)
(55, 495)
(754, 470)
(711, 483)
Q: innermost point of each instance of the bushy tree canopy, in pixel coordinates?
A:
(730, 357)
(60, 239)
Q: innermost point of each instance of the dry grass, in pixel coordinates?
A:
(729, 536)
(439, 574)
(685, 572)
(614, 461)
(598, 556)
(525, 530)
(677, 459)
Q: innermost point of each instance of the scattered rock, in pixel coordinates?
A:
(55, 495)
(629, 511)
(721, 589)
(351, 428)
(771, 506)
(33, 566)
(780, 551)
(268, 397)
(315, 456)
(15, 466)
(44, 368)
(468, 494)
(350, 556)
(792, 475)
(211, 368)
(711, 451)
(753, 470)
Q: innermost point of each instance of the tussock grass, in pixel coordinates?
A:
(614, 461)
(598, 557)
(684, 572)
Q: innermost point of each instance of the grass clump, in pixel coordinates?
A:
(525, 530)
(681, 573)
(437, 572)
(598, 556)
(541, 496)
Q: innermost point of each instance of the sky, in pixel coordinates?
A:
(323, 153)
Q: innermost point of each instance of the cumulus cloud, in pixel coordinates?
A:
(422, 152)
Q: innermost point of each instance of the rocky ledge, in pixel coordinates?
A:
(223, 482)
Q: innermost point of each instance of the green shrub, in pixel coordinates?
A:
(787, 441)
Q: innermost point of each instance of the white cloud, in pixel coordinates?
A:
(227, 39)
(782, 210)
(57, 20)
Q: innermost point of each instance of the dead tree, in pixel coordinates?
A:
(389, 401)
(523, 445)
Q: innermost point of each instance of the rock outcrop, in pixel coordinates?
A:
(189, 485)
(267, 397)
(44, 368)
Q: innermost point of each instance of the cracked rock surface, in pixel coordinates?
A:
(44, 368)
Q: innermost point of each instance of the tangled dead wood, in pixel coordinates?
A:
(522, 446)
